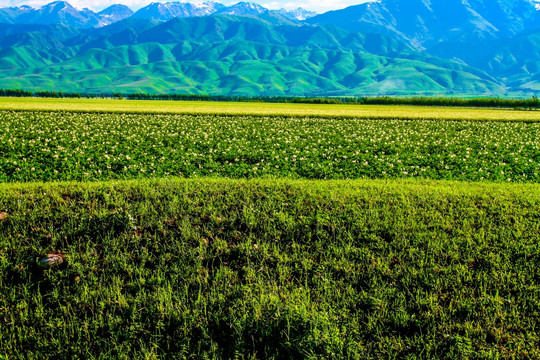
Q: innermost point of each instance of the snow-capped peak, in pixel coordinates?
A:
(298, 13)
(244, 8)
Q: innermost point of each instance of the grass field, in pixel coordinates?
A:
(275, 264)
(271, 269)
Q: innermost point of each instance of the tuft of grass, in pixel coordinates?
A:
(270, 269)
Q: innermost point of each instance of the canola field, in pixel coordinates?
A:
(101, 106)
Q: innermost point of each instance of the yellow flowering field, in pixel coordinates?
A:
(246, 108)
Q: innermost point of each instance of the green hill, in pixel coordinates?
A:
(267, 55)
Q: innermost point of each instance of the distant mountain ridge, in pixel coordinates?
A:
(499, 37)
(226, 54)
(167, 11)
(425, 23)
(384, 47)
(61, 12)
(114, 13)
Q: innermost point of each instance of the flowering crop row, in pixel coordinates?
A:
(76, 146)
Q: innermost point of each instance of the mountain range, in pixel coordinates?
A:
(386, 47)
(61, 12)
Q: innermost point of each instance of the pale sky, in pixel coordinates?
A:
(315, 5)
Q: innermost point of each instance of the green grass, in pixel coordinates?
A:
(85, 146)
(276, 266)
(270, 269)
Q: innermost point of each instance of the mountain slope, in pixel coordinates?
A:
(170, 10)
(496, 36)
(61, 12)
(515, 60)
(10, 15)
(223, 54)
(243, 8)
(114, 13)
(425, 23)
(297, 14)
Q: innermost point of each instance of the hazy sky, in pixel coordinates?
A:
(316, 5)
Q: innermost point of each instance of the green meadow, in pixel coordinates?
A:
(268, 231)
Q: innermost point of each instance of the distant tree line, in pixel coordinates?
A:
(15, 93)
(196, 97)
(39, 93)
(492, 102)
(55, 94)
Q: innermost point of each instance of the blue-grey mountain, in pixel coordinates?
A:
(496, 36)
(425, 23)
(61, 12)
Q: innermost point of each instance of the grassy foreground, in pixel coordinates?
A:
(266, 109)
(270, 269)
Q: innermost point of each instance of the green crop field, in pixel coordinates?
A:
(85, 146)
(268, 231)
